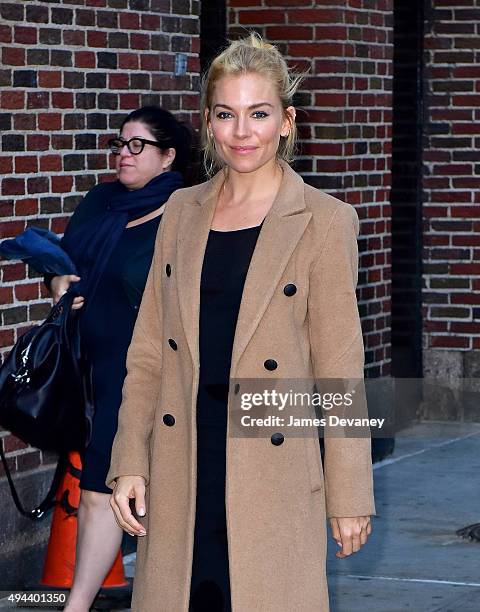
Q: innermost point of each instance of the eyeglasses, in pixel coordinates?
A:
(134, 145)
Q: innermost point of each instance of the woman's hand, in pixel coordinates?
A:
(59, 285)
(350, 533)
(127, 488)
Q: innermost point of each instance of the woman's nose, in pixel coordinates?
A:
(242, 128)
(124, 152)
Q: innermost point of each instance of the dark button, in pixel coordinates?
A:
(169, 419)
(289, 290)
(277, 439)
(168, 269)
(172, 343)
(108, 207)
(236, 389)
(270, 364)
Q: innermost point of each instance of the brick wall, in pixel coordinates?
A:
(451, 183)
(345, 125)
(71, 71)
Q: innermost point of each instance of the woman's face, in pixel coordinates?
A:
(246, 120)
(135, 171)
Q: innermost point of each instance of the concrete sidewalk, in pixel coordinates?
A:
(414, 561)
(429, 488)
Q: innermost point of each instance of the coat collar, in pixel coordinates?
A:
(282, 228)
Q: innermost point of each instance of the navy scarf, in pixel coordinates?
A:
(91, 243)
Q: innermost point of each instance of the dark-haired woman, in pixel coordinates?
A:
(111, 239)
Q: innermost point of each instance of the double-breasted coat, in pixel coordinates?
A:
(277, 496)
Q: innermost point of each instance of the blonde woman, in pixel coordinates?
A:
(253, 276)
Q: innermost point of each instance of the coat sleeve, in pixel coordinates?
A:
(337, 352)
(130, 451)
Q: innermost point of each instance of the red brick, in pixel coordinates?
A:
(139, 41)
(129, 21)
(6, 165)
(316, 16)
(150, 22)
(49, 121)
(465, 328)
(5, 34)
(13, 272)
(51, 163)
(466, 298)
(59, 225)
(12, 443)
(118, 81)
(13, 186)
(464, 269)
(128, 60)
(149, 62)
(449, 342)
(262, 17)
(26, 292)
(285, 32)
(50, 78)
(37, 142)
(85, 59)
(97, 39)
(62, 99)
(312, 49)
(25, 208)
(6, 296)
(62, 184)
(13, 56)
(25, 164)
(129, 101)
(25, 35)
(12, 99)
(466, 211)
(11, 229)
(6, 335)
(465, 100)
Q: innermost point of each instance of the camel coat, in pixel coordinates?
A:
(277, 495)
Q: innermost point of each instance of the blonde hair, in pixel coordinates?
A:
(247, 55)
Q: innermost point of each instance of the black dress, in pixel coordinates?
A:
(225, 267)
(107, 327)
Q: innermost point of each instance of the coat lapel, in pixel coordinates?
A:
(194, 227)
(282, 228)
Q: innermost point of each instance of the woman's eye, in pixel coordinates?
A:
(260, 114)
(222, 115)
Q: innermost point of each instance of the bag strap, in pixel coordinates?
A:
(40, 511)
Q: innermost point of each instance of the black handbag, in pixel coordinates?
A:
(46, 396)
(45, 384)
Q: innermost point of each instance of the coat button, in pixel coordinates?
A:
(168, 269)
(236, 389)
(270, 364)
(172, 343)
(277, 439)
(289, 290)
(169, 419)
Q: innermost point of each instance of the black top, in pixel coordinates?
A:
(225, 266)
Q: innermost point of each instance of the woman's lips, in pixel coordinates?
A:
(243, 150)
